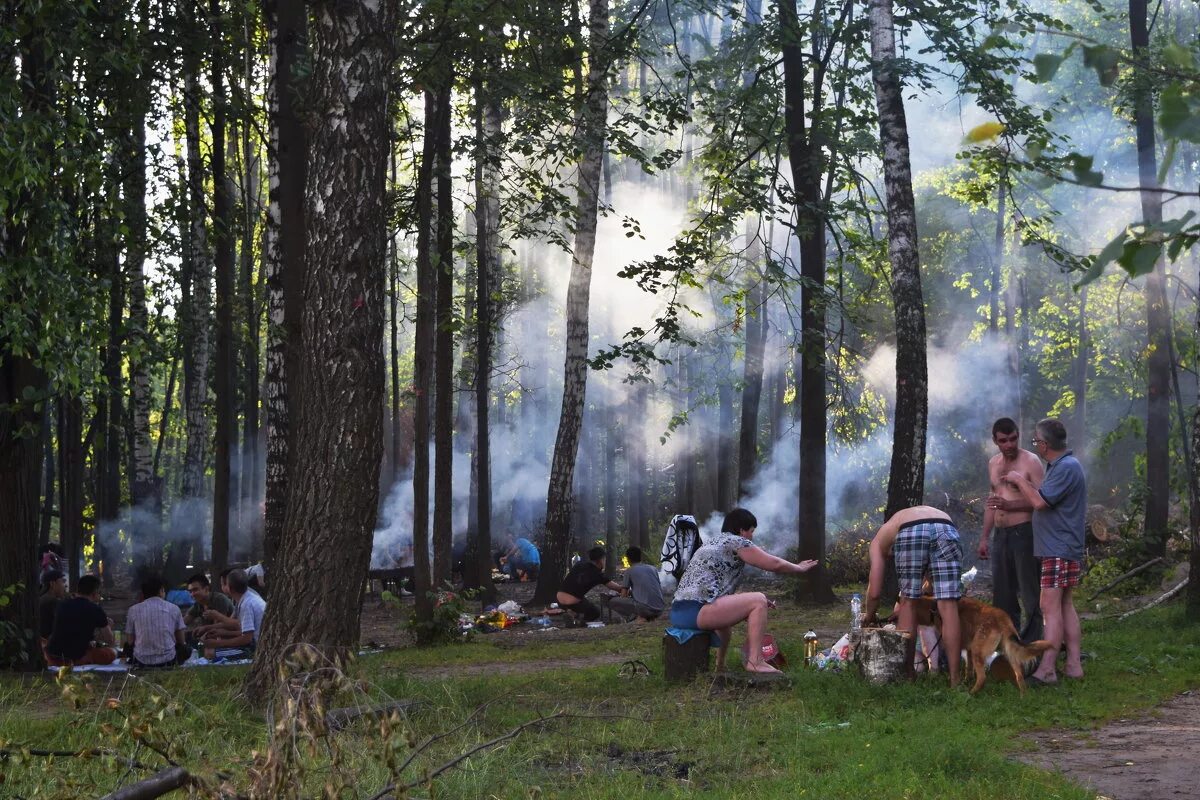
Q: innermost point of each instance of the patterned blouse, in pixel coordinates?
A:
(715, 569)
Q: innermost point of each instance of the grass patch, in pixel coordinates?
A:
(826, 736)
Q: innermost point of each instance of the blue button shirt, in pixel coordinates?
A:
(1059, 531)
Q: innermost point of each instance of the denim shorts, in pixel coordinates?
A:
(686, 613)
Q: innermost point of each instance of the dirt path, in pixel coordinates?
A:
(517, 667)
(1146, 758)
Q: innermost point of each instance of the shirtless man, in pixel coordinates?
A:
(1015, 570)
(924, 540)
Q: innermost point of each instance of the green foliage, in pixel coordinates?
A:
(445, 626)
(15, 640)
(848, 559)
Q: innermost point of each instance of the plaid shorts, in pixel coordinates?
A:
(1060, 573)
(933, 546)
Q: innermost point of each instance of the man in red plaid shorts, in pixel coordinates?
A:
(1059, 529)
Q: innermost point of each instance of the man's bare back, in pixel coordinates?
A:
(1023, 462)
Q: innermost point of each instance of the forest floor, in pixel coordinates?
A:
(827, 735)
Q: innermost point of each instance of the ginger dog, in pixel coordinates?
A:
(986, 629)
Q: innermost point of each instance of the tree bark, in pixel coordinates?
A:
(752, 373)
(590, 134)
(286, 260)
(443, 393)
(189, 523)
(251, 209)
(1082, 358)
(223, 248)
(1158, 321)
(334, 495)
(423, 352)
(70, 472)
(806, 160)
(487, 272)
(726, 461)
(906, 482)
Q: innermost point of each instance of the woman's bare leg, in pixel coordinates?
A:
(724, 612)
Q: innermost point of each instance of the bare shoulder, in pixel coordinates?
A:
(1031, 463)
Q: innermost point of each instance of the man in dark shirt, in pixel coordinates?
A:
(204, 597)
(82, 631)
(54, 591)
(581, 579)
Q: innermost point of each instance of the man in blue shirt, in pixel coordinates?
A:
(522, 560)
(1059, 531)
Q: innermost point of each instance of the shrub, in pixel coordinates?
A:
(848, 559)
(449, 607)
(14, 640)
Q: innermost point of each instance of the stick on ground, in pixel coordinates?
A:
(158, 784)
(1121, 579)
(1162, 599)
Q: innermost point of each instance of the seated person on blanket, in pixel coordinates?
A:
(644, 600)
(154, 628)
(54, 591)
(204, 597)
(234, 638)
(82, 631)
(705, 598)
(580, 580)
(921, 539)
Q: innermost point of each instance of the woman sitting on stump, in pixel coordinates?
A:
(705, 598)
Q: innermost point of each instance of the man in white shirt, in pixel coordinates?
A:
(234, 638)
(154, 628)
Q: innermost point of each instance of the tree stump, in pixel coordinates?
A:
(683, 662)
(881, 654)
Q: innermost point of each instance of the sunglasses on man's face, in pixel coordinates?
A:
(1036, 441)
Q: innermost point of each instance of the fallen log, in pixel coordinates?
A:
(339, 718)
(1162, 599)
(1121, 579)
(158, 784)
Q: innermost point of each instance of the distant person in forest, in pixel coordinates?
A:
(521, 559)
(154, 628)
(54, 591)
(643, 589)
(1008, 517)
(1059, 534)
(235, 638)
(705, 599)
(581, 579)
(204, 597)
(922, 540)
(82, 631)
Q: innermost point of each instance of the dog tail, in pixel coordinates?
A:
(1014, 651)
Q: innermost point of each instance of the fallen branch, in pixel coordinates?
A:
(339, 718)
(1162, 599)
(86, 753)
(1121, 579)
(158, 784)
(504, 737)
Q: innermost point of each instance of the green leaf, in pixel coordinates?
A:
(1139, 257)
(1046, 66)
(1081, 165)
(1168, 160)
(1104, 60)
(1179, 56)
(1177, 116)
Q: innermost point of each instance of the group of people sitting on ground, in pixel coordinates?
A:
(222, 625)
(639, 590)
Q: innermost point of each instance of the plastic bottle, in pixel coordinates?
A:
(855, 612)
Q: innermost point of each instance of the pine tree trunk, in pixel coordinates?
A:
(108, 495)
(591, 133)
(726, 460)
(397, 442)
(333, 501)
(805, 155)
(252, 520)
(223, 355)
(752, 374)
(48, 476)
(906, 483)
(1158, 320)
(197, 322)
(443, 393)
(487, 273)
(70, 459)
(423, 352)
